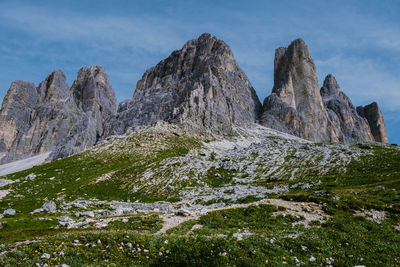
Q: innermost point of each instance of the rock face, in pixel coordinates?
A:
(53, 117)
(374, 117)
(297, 105)
(94, 94)
(200, 87)
(343, 115)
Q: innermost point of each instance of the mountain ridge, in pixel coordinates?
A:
(200, 87)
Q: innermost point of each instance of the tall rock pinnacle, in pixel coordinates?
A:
(94, 94)
(295, 105)
(342, 114)
(54, 118)
(376, 122)
(200, 86)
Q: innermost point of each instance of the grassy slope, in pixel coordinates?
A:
(349, 239)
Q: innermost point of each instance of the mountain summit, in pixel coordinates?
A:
(199, 87)
(297, 105)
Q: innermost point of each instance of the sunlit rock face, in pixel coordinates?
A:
(199, 86)
(342, 114)
(297, 105)
(53, 117)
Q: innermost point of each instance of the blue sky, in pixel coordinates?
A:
(357, 41)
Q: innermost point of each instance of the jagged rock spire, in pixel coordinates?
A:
(374, 116)
(295, 105)
(330, 87)
(199, 86)
(54, 118)
(342, 114)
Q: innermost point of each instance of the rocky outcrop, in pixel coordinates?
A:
(199, 87)
(342, 114)
(297, 105)
(94, 94)
(53, 117)
(376, 122)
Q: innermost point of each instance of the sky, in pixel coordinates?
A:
(357, 41)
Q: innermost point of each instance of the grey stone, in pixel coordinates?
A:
(376, 122)
(199, 87)
(48, 206)
(295, 105)
(54, 118)
(342, 114)
(10, 212)
(182, 212)
(85, 214)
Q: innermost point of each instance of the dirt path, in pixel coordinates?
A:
(309, 211)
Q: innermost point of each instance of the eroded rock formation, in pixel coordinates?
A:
(52, 118)
(342, 114)
(297, 105)
(200, 87)
(376, 122)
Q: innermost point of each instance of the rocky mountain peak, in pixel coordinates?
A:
(199, 86)
(330, 86)
(295, 105)
(93, 91)
(374, 116)
(54, 87)
(53, 117)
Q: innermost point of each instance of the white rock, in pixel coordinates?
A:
(10, 212)
(46, 256)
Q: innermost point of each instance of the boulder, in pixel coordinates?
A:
(343, 115)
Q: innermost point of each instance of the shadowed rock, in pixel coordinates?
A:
(376, 122)
(343, 115)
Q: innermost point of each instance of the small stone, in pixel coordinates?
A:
(10, 212)
(330, 260)
(30, 176)
(46, 256)
(182, 212)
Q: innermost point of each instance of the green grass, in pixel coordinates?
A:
(370, 182)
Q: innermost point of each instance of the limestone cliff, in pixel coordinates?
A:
(200, 87)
